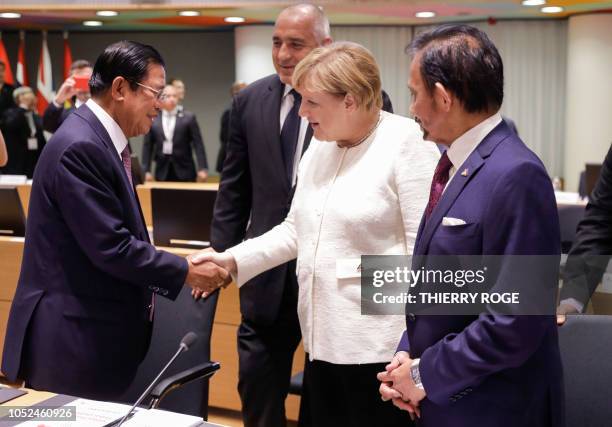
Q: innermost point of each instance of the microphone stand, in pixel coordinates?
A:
(181, 348)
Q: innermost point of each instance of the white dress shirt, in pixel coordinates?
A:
(286, 106)
(114, 131)
(364, 200)
(168, 123)
(462, 147)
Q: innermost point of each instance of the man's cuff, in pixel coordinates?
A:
(573, 303)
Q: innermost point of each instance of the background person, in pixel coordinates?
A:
(174, 136)
(69, 97)
(23, 131)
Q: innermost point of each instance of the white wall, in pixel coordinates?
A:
(589, 93)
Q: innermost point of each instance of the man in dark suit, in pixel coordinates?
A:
(590, 254)
(173, 137)
(81, 318)
(69, 96)
(490, 195)
(22, 128)
(6, 91)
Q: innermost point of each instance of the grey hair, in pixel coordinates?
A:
(321, 22)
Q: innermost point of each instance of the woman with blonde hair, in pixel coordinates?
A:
(362, 187)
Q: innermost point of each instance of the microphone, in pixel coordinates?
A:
(186, 342)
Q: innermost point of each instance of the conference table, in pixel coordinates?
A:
(48, 401)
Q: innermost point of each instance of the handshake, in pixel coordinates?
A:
(209, 271)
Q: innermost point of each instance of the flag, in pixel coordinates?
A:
(22, 71)
(8, 73)
(67, 56)
(44, 83)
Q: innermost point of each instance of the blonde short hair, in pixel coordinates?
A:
(341, 68)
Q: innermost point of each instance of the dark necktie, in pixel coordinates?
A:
(289, 134)
(438, 183)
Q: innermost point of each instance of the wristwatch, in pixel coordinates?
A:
(415, 373)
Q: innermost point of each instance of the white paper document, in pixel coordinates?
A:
(93, 413)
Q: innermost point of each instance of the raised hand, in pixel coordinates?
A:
(66, 91)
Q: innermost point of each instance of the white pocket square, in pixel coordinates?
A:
(451, 222)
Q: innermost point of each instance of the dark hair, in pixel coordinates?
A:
(127, 59)
(465, 61)
(79, 64)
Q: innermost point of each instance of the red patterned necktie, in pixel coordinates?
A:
(127, 164)
(438, 183)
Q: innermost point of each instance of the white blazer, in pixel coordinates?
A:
(364, 200)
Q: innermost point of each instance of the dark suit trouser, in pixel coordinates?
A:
(346, 395)
(265, 355)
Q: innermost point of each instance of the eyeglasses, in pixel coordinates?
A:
(159, 94)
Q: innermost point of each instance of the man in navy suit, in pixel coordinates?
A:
(81, 318)
(174, 135)
(490, 196)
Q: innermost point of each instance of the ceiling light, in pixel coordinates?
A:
(425, 14)
(234, 19)
(107, 13)
(10, 15)
(551, 9)
(92, 23)
(189, 13)
(533, 2)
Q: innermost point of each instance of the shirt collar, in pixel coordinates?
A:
(462, 147)
(170, 113)
(114, 131)
(287, 89)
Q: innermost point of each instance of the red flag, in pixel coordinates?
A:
(44, 81)
(22, 72)
(67, 56)
(8, 73)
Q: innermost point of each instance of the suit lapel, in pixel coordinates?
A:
(462, 177)
(177, 124)
(99, 129)
(270, 118)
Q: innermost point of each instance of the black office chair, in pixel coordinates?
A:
(586, 346)
(569, 218)
(188, 377)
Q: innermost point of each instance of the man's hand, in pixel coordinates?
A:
(398, 386)
(206, 276)
(562, 311)
(148, 177)
(202, 175)
(224, 260)
(66, 91)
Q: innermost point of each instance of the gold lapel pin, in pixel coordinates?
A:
(465, 172)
